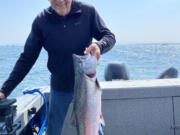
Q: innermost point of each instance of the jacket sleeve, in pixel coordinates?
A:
(26, 60)
(105, 38)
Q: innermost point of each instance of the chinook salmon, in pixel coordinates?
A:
(87, 96)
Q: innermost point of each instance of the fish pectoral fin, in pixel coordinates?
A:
(102, 121)
(73, 122)
(72, 119)
(98, 85)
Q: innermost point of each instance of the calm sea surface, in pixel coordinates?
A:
(144, 61)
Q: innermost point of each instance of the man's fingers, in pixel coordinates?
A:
(2, 96)
(98, 56)
(93, 50)
(87, 51)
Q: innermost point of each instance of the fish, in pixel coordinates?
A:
(86, 114)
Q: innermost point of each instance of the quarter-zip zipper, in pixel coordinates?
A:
(64, 21)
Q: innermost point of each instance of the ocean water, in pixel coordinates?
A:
(144, 61)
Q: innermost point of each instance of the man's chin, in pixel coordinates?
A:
(62, 12)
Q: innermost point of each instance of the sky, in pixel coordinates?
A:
(132, 21)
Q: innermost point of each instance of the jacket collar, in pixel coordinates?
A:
(75, 8)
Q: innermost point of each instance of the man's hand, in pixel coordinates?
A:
(2, 96)
(94, 50)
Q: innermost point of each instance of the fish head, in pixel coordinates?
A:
(86, 63)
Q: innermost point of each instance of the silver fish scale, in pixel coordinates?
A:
(87, 104)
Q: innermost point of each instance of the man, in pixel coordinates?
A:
(66, 27)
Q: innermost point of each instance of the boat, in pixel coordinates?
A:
(131, 107)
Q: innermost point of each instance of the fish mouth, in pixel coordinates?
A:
(79, 57)
(75, 55)
(76, 58)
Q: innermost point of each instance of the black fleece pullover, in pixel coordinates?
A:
(60, 37)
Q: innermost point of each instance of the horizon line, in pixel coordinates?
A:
(163, 43)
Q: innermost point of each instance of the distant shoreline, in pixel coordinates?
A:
(165, 43)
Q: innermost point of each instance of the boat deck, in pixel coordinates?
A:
(135, 107)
